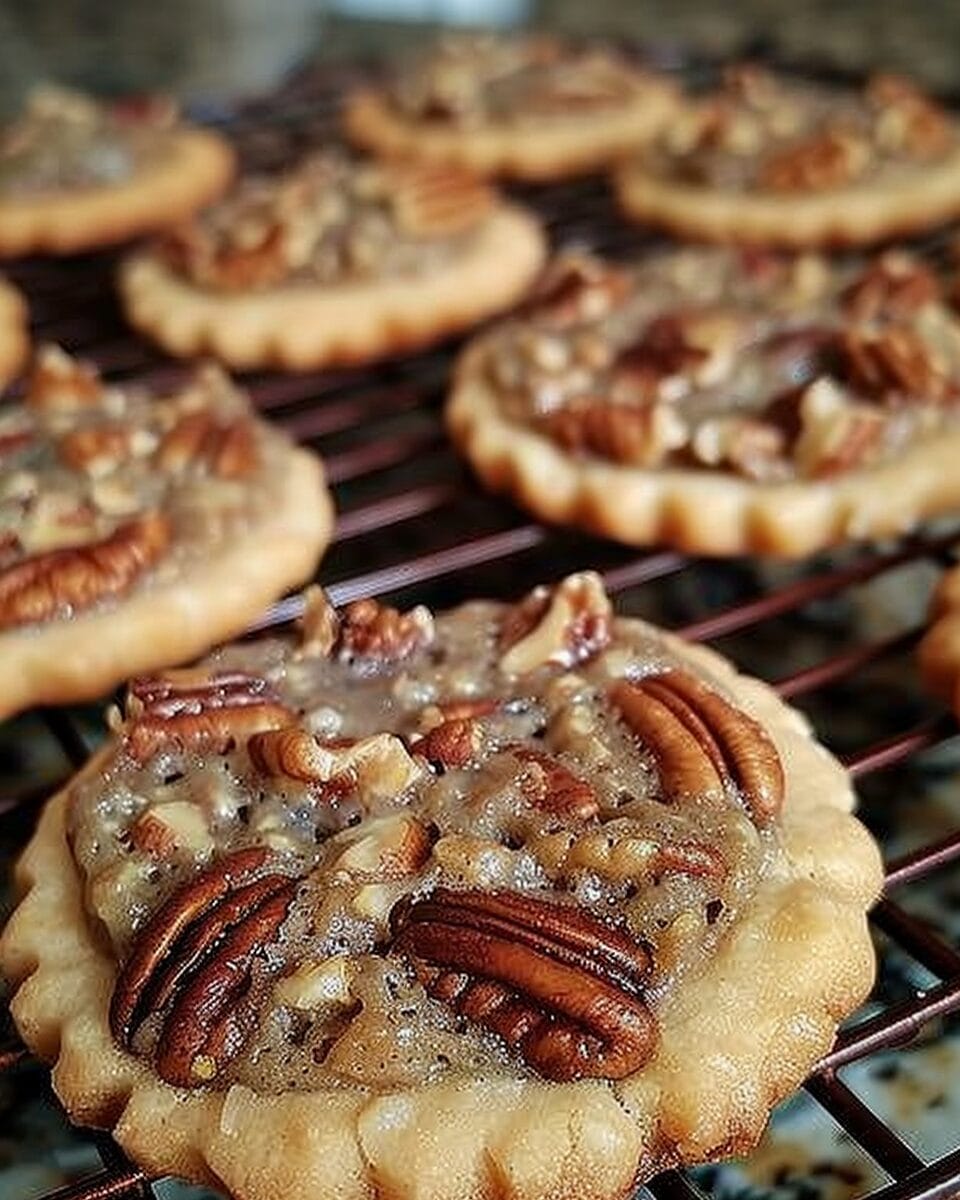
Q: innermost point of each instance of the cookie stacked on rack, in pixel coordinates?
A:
(523, 899)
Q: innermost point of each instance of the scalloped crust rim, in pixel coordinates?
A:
(158, 626)
(538, 152)
(14, 332)
(304, 327)
(701, 512)
(195, 171)
(851, 216)
(735, 1039)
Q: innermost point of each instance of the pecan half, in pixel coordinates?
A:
(189, 710)
(896, 362)
(704, 748)
(892, 287)
(617, 854)
(228, 450)
(562, 988)
(564, 625)
(548, 785)
(827, 159)
(192, 963)
(438, 201)
(374, 633)
(641, 435)
(73, 578)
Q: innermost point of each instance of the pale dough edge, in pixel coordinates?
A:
(14, 332)
(748, 1029)
(699, 511)
(158, 626)
(305, 327)
(850, 216)
(196, 171)
(550, 151)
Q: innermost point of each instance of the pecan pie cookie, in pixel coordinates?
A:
(721, 400)
(516, 901)
(136, 530)
(14, 338)
(337, 261)
(526, 107)
(766, 159)
(76, 173)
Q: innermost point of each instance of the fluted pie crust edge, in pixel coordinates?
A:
(703, 510)
(735, 1039)
(14, 336)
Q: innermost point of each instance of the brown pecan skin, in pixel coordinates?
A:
(228, 450)
(827, 159)
(895, 363)
(71, 579)
(452, 743)
(209, 713)
(562, 988)
(375, 633)
(167, 924)
(702, 745)
(192, 962)
(623, 433)
(438, 201)
(890, 289)
(552, 788)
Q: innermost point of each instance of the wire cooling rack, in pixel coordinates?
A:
(414, 526)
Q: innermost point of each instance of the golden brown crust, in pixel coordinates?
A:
(700, 511)
(300, 327)
(574, 145)
(740, 1036)
(14, 334)
(939, 652)
(196, 169)
(170, 621)
(844, 216)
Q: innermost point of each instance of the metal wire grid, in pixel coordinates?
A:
(409, 517)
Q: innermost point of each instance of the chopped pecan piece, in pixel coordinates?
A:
(909, 120)
(641, 435)
(754, 448)
(385, 848)
(70, 579)
(826, 159)
(319, 625)
(438, 201)
(192, 964)
(548, 785)
(373, 633)
(564, 625)
(562, 988)
(377, 765)
(189, 710)
(452, 743)
(96, 450)
(892, 287)
(577, 287)
(704, 748)
(59, 383)
(835, 434)
(228, 450)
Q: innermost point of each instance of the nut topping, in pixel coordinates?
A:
(377, 766)
(59, 383)
(318, 625)
(96, 450)
(73, 578)
(548, 785)
(452, 743)
(228, 450)
(384, 848)
(564, 625)
(561, 988)
(374, 634)
(641, 435)
(892, 287)
(438, 201)
(193, 963)
(577, 287)
(703, 746)
(828, 159)
(895, 362)
(190, 710)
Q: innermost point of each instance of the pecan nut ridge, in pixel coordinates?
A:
(561, 987)
(189, 710)
(192, 966)
(704, 747)
(71, 579)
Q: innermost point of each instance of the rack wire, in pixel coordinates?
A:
(412, 524)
